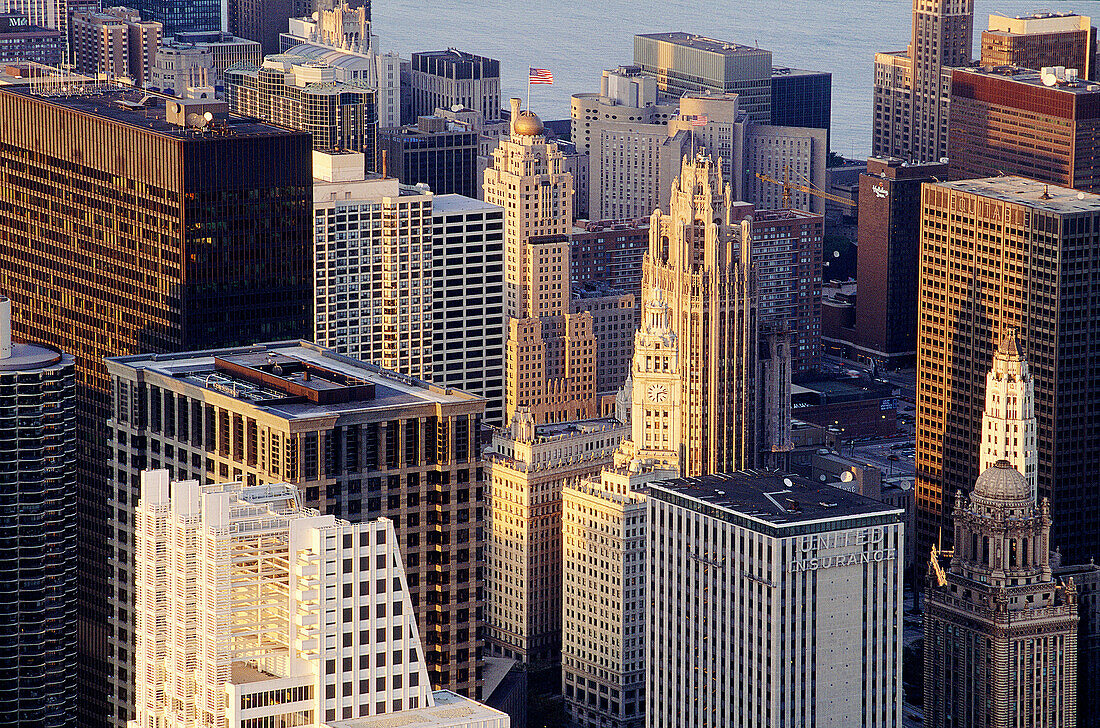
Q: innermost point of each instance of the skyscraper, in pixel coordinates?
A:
(52, 14)
(38, 542)
(1008, 422)
(700, 259)
(996, 254)
(444, 79)
(260, 644)
(1000, 635)
(1036, 40)
(260, 20)
(182, 16)
(160, 267)
(912, 87)
(357, 441)
(1012, 121)
(435, 152)
(772, 600)
(116, 42)
(550, 365)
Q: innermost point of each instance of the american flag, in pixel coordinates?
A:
(539, 75)
(700, 120)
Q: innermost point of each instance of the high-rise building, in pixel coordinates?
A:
(613, 324)
(550, 364)
(787, 254)
(38, 541)
(913, 87)
(888, 259)
(302, 618)
(1000, 635)
(1008, 422)
(686, 63)
(304, 94)
(1010, 121)
(529, 465)
(759, 588)
(21, 41)
(192, 60)
(115, 42)
(357, 441)
(165, 270)
(802, 98)
(408, 280)
(49, 14)
(1037, 40)
(445, 79)
(182, 16)
(435, 152)
(700, 257)
(995, 254)
(610, 252)
(260, 20)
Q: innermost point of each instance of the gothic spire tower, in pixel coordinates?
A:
(700, 259)
(1008, 423)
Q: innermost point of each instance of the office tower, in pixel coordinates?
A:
(1008, 121)
(435, 152)
(193, 60)
(304, 94)
(1000, 635)
(409, 280)
(1008, 422)
(21, 41)
(685, 63)
(340, 36)
(802, 98)
(182, 16)
(176, 273)
(995, 254)
(445, 79)
(469, 299)
(38, 543)
(115, 42)
(1037, 40)
(550, 351)
(260, 20)
(701, 260)
(613, 325)
(779, 151)
(302, 618)
(528, 466)
(798, 568)
(358, 441)
(912, 87)
(786, 251)
(887, 262)
(610, 252)
(49, 14)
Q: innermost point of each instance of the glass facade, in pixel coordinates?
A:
(182, 16)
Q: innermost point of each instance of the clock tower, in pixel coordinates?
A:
(655, 389)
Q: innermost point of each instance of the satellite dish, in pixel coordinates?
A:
(847, 477)
(1080, 195)
(822, 478)
(787, 482)
(209, 116)
(1049, 79)
(906, 485)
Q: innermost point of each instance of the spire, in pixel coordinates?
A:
(1009, 345)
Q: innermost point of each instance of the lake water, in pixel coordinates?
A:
(577, 40)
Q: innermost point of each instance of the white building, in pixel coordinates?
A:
(773, 601)
(528, 467)
(252, 610)
(196, 60)
(1008, 422)
(408, 280)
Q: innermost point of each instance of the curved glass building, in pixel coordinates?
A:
(37, 533)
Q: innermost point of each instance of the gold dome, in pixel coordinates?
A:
(527, 124)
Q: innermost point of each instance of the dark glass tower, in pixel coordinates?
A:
(182, 16)
(37, 533)
(123, 230)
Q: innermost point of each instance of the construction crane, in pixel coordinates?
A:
(807, 188)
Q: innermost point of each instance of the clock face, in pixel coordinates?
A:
(657, 393)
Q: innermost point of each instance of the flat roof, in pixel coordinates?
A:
(579, 427)
(450, 711)
(1016, 74)
(700, 42)
(1028, 192)
(783, 71)
(124, 105)
(772, 497)
(452, 203)
(272, 378)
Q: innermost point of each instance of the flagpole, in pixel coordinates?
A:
(528, 91)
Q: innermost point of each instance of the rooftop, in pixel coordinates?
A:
(293, 379)
(699, 42)
(1028, 192)
(783, 71)
(453, 203)
(138, 108)
(450, 711)
(772, 498)
(567, 429)
(1026, 76)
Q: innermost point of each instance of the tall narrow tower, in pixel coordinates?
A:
(1008, 423)
(700, 259)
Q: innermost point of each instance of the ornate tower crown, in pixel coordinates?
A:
(1009, 427)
